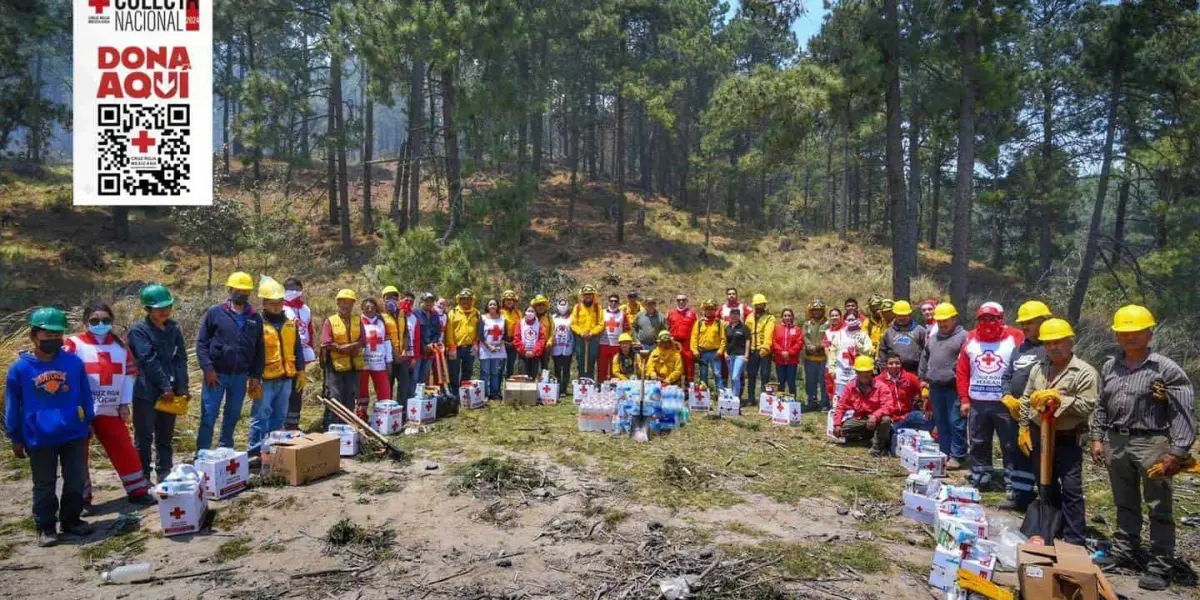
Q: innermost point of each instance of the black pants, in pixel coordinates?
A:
(531, 366)
(342, 387)
(562, 372)
(1065, 491)
(291, 422)
(758, 370)
(44, 463)
(510, 365)
(985, 420)
(401, 379)
(153, 429)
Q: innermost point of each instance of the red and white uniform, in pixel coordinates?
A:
(297, 312)
(615, 323)
(530, 338)
(727, 307)
(111, 373)
(493, 336)
(377, 362)
(982, 361)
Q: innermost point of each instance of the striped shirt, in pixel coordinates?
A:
(1127, 401)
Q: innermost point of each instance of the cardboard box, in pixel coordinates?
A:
(228, 472)
(1060, 572)
(548, 393)
(923, 459)
(786, 413)
(920, 508)
(521, 393)
(422, 410)
(387, 417)
(348, 436)
(308, 457)
(470, 394)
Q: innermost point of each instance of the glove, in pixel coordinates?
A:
(1044, 400)
(301, 379)
(1013, 405)
(1024, 440)
(1158, 390)
(1188, 465)
(925, 392)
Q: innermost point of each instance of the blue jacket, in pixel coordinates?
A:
(47, 403)
(227, 348)
(162, 360)
(431, 327)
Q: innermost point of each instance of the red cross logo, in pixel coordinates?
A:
(104, 367)
(178, 513)
(378, 422)
(495, 331)
(931, 467)
(143, 141)
(583, 390)
(546, 389)
(428, 405)
(849, 354)
(373, 340)
(613, 323)
(920, 509)
(232, 467)
(990, 362)
(413, 411)
(99, 5)
(795, 413)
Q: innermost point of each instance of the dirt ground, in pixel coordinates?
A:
(589, 532)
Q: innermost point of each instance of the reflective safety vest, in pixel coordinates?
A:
(395, 332)
(344, 362)
(279, 348)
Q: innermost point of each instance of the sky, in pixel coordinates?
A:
(807, 26)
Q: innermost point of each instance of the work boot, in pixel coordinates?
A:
(143, 500)
(1154, 581)
(78, 529)
(953, 464)
(46, 538)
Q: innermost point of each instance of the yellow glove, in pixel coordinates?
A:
(1159, 391)
(974, 583)
(1043, 400)
(1013, 405)
(1024, 440)
(301, 380)
(1189, 466)
(925, 393)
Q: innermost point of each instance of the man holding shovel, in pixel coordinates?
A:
(1059, 397)
(1145, 416)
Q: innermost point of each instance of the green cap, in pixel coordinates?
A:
(49, 318)
(157, 296)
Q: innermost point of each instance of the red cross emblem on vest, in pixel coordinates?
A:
(178, 513)
(989, 362)
(849, 354)
(495, 331)
(373, 340)
(232, 467)
(104, 367)
(613, 323)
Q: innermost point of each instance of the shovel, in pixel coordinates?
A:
(641, 423)
(1042, 518)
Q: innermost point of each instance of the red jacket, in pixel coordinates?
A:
(679, 323)
(790, 340)
(904, 391)
(878, 402)
(519, 342)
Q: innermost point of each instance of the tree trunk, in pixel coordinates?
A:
(619, 161)
(845, 169)
(34, 141)
(901, 275)
(256, 152)
(1093, 238)
(225, 106)
(399, 212)
(416, 140)
(830, 183)
(935, 182)
(523, 117)
(1122, 204)
(964, 191)
(208, 286)
(453, 168)
(330, 153)
(368, 147)
(911, 216)
(573, 159)
(335, 79)
(1045, 214)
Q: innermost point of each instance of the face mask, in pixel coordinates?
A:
(563, 309)
(406, 305)
(292, 295)
(49, 346)
(100, 331)
(392, 306)
(530, 316)
(239, 298)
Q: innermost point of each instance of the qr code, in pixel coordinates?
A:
(143, 150)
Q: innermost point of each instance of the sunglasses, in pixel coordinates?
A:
(100, 321)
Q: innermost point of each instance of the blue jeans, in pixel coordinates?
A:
(710, 361)
(593, 354)
(421, 368)
(461, 367)
(232, 389)
(758, 375)
(493, 371)
(736, 365)
(267, 413)
(787, 377)
(951, 427)
(814, 382)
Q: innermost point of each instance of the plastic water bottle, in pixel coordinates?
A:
(128, 573)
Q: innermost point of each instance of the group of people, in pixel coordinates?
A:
(877, 370)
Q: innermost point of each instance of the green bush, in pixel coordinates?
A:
(414, 260)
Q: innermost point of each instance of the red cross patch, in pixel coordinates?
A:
(546, 389)
(104, 367)
(373, 340)
(428, 405)
(232, 467)
(989, 363)
(495, 331)
(178, 512)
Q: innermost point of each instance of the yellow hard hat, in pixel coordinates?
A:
(758, 299)
(625, 339)
(944, 311)
(269, 289)
(902, 308)
(1055, 329)
(391, 289)
(864, 363)
(708, 303)
(465, 293)
(1032, 310)
(509, 295)
(587, 289)
(240, 281)
(1132, 318)
(664, 336)
(347, 294)
(540, 299)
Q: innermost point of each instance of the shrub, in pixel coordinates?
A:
(415, 260)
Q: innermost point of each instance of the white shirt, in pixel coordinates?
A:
(110, 370)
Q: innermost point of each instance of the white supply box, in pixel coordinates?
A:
(584, 389)
(422, 410)
(923, 459)
(548, 392)
(470, 394)
(787, 412)
(227, 470)
(699, 397)
(387, 417)
(182, 501)
(349, 437)
(766, 404)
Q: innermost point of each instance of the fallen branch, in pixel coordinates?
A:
(448, 578)
(324, 572)
(769, 563)
(20, 567)
(850, 467)
(188, 575)
(775, 445)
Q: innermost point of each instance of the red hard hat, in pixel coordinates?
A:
(990, 308)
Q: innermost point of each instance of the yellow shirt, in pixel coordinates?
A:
(707, 337)
(665, 365)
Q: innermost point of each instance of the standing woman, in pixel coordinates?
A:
(562, 341)
(110, 367)
(162, 361)
(377, 357)
(492, 334)
(787, 347)
(737, 348)
(531, 343)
